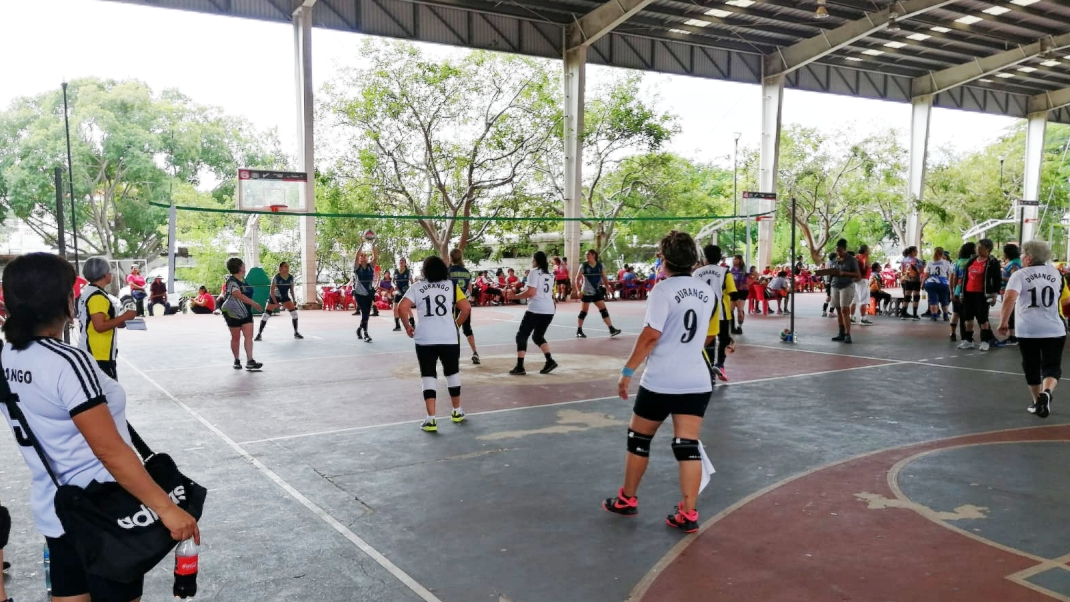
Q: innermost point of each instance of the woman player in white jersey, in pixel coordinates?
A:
(679, 310)
(1035, 295)
(541, 308)
(436, 334)
(724, 285)
(77, 415)
(280, 295)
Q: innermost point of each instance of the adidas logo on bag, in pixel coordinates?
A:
(146, 517)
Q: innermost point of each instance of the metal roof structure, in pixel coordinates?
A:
(1007, 57)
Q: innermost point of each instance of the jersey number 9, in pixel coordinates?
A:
(690, 326)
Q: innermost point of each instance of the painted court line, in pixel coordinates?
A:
(364, 546)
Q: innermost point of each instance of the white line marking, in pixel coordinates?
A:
(364, 546)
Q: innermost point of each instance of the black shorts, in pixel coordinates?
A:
(109, 368)
(1042, 358)
(69, 577)
(912, 286)
(598, 296)
(975, 307)
(430, 355)
(657, 407)
(238, 322)
(398, 297)
(738, 295)
(535, 326)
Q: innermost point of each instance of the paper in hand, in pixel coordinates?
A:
(707, 467)
(136, 324)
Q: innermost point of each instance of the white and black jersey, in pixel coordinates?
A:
(680, 308)
(1041, 292)
(939, 271)
(543, 301)
(55, 382)
(433, 303)
(714, 275)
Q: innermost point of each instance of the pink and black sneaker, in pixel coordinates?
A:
(622, 505)
(685, 521)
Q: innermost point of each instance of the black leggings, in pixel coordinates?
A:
(200, 309)
(1042, 358)
(364, 303)
(724, 339)
(534, 326)
(429, 357)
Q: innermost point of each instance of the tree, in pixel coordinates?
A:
(452, 139)
(127, 145)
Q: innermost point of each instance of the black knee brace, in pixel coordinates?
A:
(454, 391)
(917, 296)
(604, 312)
(430, 394)
(583, 315)
(466, 328)
(5, 526)
(639, 444)
(686, 450)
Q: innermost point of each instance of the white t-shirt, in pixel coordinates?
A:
(1036, 312)
(939, 271)
(54, 382)
(434, 303)
(543, 301)
(714, 276)
(680, 309)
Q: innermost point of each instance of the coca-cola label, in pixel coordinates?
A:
(186, 566)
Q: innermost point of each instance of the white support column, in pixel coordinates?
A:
(772, 102)
(574, 80)
(921, 113)
(302, 20)
(1034, 158)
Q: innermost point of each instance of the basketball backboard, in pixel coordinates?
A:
(264, 190)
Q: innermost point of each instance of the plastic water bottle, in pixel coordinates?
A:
(186, 570)
(48, 570)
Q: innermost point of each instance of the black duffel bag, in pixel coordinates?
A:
(115, 535)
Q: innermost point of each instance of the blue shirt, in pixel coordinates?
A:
(401, 280)
(283, 286)
(461, 277)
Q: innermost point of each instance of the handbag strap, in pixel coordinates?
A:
(142, 448)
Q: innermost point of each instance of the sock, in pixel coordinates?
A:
(549, 358)
(825, 306)
(295, 324)
(430, 417)
(458, 409)
(519, 362)
(263, 323)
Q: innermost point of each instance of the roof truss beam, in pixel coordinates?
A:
(587, 29)
(939, 81)
(1049, 101)
(807, 51)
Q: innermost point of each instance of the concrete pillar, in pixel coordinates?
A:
(302, 20)
(1034, 158)
(574, 80)
(769, 158)
(921, 113)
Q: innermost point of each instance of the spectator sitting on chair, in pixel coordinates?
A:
(778, 289)
(203, 303)
(158, 295)
(512, 286)
(876, 290)
(137, 289)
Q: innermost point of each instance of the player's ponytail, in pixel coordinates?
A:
(541, 262)
(38, 289)
(679, 251)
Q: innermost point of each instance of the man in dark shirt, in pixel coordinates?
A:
(843, 288)
(158, 295)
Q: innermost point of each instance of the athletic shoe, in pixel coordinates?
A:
(953, 337)
(257, 337)
(237, 364)
(1044, 404)
(622, 505)
(947, 317)
(1012, 340)
(518, 371)
(839, 337)
(397, 329)
(984, 346)
(824, 314)
(356, 313)
(915, 317)
(867, 322)
(904, 317)
(688, 523)
(998, 343)
(966, 345)
(550, 366)
(297, 335)
(359, 336)
(457, 416)
(579, 334)
(847, 339)
(475, 359)
(253, 365)
(935, 318)
(430, 426)
(854, 319)
(718, 371)
(1032, 409)
(739, 330)
(613, 331)
(367, 339)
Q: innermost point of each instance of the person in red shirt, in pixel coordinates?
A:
(983, 280)
(862, 287)
(203, 303)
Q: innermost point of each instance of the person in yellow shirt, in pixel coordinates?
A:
(98, 317)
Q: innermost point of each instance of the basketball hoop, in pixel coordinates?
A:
(276, 208)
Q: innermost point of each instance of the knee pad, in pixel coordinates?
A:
(454, 380)
(264, 316)
(686, 450)
(583, 315)
(466, 328)
(455, 391)
(917, 296)
(605, 313)
(5, 526)
(293, 314)
(539, 340)
(430, 385)
(639, 444)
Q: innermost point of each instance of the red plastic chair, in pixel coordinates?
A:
(330, 298)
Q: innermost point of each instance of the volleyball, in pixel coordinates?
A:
(369, 235)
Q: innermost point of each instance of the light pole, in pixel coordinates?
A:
(735, 190)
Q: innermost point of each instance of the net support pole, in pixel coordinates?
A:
(769, 158)
(61, 241)
(1034, 160)
(302, 20)
(793, 263)
(574, 81)
(921, 113)
(172, 226)
(70, 180)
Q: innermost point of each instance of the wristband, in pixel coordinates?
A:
(627, 372)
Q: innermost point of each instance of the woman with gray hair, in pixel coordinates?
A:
(1035, 294)
(98, 315)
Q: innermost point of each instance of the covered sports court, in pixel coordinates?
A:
(898, 470)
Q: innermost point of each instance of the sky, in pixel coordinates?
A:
(246, 67)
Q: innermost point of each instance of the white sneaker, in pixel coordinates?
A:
(966, 345)
(867, 322)
(854, 319)
(983, 346)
